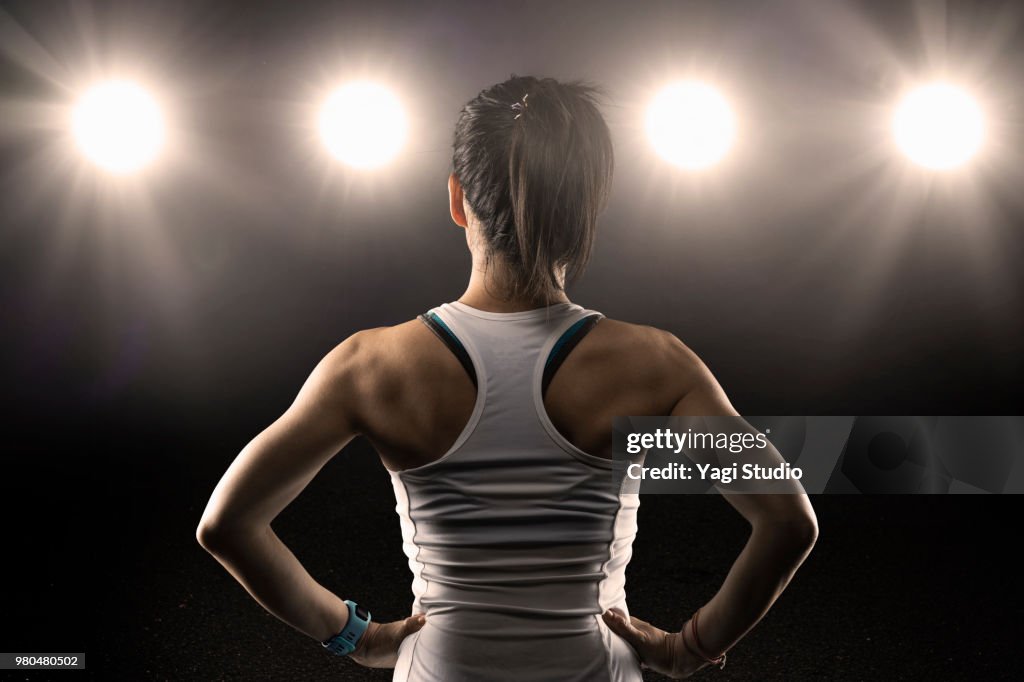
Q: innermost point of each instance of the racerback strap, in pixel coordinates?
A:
(442, 331)
(559, 352)
(565, 344)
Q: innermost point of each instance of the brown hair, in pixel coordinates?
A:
(535, 161)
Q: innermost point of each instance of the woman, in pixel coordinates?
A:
(493, 416)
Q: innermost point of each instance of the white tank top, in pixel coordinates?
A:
(516, 538)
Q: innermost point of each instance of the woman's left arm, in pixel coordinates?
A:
(267, 475)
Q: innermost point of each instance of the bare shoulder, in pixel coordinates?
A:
(646, 349)
(371, 355)
(357, 351)
(622, 368)
(379, 346)
(684, 377)
(364, 364)
(406, 392)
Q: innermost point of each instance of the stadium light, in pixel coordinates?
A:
(938, 126)
(363, 125)
(118, 126)
(691, 125)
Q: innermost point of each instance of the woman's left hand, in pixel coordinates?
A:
(378, 647)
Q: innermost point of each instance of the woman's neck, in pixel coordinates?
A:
(486, 293)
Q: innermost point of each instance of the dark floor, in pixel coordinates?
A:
(898, 588)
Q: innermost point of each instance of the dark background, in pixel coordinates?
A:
(152, 325)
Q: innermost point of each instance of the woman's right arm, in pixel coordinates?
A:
(784, 528)
(783, 531)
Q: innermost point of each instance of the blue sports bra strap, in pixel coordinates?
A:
(565, 344)
(444, 332)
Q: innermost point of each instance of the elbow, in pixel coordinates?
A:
(798, 532)
(221, 538)
(806, 531)
(802, 531)
(208, 535)
(213, 536)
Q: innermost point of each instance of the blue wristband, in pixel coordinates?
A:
(345, 642)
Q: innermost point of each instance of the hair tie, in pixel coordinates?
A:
(520, 106)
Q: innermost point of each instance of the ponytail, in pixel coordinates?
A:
(535, 160)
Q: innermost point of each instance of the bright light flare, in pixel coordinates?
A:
(363, 125)
(118, 125)
(938, 126)
(691, 125)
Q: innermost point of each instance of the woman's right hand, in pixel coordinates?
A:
(661, 651)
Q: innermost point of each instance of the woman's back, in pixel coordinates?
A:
(516, 537)
(497, 431)
(415, 397)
